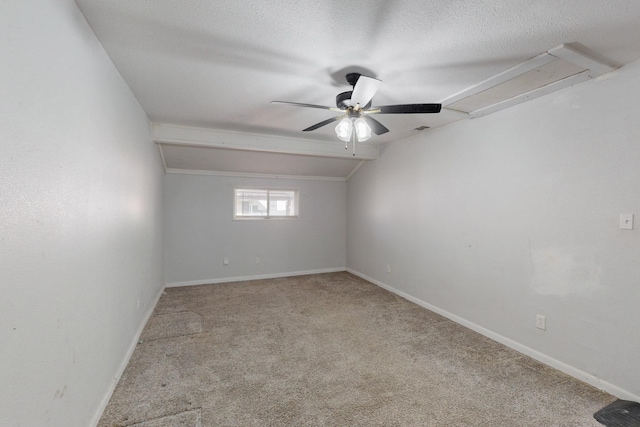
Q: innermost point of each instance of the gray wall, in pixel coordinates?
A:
(80, 218)
(200, 231)
(491, 221)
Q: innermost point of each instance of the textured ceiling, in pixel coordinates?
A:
(218, 64)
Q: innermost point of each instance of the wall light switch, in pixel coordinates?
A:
(541, 322)
(626, 221)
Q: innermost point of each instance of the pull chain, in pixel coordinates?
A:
(353, 144)
(353, 140)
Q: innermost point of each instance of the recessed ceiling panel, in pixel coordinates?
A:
(544, 75)
(561, 67)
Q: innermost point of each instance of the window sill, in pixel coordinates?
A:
(253, 218)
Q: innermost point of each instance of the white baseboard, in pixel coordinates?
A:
(256, 277)
(541, 357)
(124, 363)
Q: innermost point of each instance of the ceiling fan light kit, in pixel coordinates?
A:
(345, 129)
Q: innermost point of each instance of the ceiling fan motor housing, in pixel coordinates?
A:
(341, 98)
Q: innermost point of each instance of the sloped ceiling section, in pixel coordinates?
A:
(218, 65)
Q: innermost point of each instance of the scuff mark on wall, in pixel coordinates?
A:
(59, 393)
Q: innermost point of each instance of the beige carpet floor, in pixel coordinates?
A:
(330, 350)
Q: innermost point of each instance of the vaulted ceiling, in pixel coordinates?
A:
(206, 71)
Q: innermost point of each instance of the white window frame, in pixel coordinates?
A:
(296, 201)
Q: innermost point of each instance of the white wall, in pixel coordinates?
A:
(80, 217)
(496, 219)
(200, 231)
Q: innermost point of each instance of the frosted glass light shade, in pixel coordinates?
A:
(363, 131)
(344, 129)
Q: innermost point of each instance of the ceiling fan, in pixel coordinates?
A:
(355, 106)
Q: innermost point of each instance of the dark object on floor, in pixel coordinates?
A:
(621, 413)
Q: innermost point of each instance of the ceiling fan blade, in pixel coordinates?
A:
(323, 123)
(364, 90)
(298, 104)
(409, 108)
(377, 127)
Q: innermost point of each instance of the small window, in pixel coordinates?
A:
(263, 203)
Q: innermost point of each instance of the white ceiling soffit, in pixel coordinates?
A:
(556, 69)
(213, 152)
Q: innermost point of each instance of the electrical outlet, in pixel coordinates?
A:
(388, 268)
(541, 322)
(257, 260)
(225, 261)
